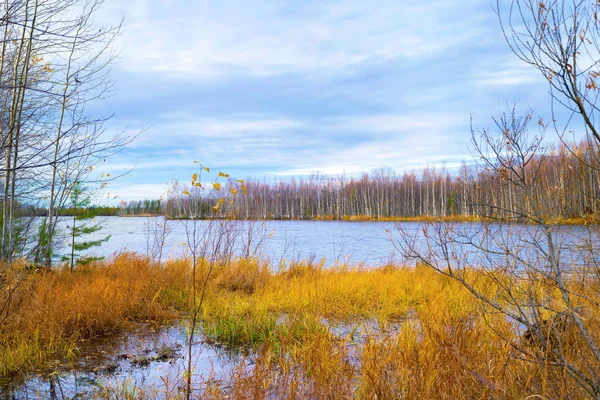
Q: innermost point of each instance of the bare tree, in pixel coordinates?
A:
(55, 63)
(532, 273)
(560, 39)
(523, 271)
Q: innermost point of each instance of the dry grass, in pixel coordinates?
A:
(51, 311)
(345, 332)
(406, 333)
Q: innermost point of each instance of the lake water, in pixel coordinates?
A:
(352, 242)
(355, 243)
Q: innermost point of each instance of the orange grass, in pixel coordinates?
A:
(346, 332)
(51, 311)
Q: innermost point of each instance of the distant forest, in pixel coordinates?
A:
(562, 181)
(35, 211)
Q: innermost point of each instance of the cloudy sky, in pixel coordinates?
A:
(276, 89)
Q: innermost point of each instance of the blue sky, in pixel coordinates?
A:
(276, 89)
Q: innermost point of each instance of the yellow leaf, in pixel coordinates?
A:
(240, 181)
(198, 184)
(244, 189)
(215, 208)
(217, 186)
(224, 175)
(206, 169)
(194, 178)
(233, 191)
(186, 192)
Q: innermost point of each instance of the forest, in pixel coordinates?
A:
(566, 186)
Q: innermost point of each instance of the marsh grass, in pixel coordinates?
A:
(345, 332)
(52, 311)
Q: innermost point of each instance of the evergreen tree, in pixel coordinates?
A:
(81, 227)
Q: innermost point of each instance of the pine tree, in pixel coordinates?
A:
(81, 227)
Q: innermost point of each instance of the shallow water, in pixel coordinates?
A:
(152, 361)
(143, 357)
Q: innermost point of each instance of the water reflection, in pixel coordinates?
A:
(144, 357)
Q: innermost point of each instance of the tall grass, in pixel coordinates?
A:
(346, 332)
(51, 311)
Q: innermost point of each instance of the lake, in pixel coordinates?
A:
(353, 243)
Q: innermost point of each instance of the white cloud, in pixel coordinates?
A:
(186, 131)
(137, 191)
(406, 123)
(395, 141)
(211, 39)
(507, 73)
(285, 146)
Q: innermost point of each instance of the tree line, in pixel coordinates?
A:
(565, 185)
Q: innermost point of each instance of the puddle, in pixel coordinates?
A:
(157, 358)
(143, 357)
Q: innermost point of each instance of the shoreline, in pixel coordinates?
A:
(358, 218)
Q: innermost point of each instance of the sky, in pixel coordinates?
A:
(275, 89)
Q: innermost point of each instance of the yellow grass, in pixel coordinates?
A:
(51, 311)
(346, 332)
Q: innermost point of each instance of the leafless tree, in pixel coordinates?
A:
(531, 269)
(55, 63)
(209, 244)
(156, 231)
(524, 271)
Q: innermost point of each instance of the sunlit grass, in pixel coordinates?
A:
(52, 310)
(389, 332)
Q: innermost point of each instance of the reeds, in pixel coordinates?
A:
(346, 332)
(52, 310)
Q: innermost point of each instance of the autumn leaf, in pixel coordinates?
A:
(194, 178)
(215, 208)
(233, 191)
(224, 175)
(206, 169)
(244, 189)
(240, 181)
(186, 192)
(217, 186)
(198, 184)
